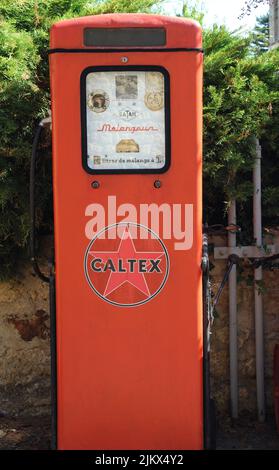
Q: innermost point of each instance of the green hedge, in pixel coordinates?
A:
(240, 100)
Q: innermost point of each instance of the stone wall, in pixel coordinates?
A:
(24, 346)
(25, 350)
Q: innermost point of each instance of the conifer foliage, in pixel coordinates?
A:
(241, 100)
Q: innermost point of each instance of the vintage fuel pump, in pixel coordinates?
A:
(131, 342)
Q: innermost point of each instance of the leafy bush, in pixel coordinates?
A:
(240, 100)
(24, 100)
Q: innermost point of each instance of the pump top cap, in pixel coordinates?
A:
(126, 31)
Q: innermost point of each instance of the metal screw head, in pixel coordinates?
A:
(157, 184)
(124, 60)
(95, 184)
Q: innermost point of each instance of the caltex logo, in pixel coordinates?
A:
(126, 264)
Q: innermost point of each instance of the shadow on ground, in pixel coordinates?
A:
(33, 433)
(247, 434)
(28, 433)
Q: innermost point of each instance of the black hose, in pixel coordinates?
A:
(209, 419)
(34, 262)
(50, 280)
(265, 262)
(232, 261)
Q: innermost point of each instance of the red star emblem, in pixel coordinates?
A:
(131, 259)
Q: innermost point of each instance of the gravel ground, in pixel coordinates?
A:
(33, 433)
(247, 434)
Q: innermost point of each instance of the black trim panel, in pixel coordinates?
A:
(138, 68)
(142, 36)
(53, 355)
(142, 49)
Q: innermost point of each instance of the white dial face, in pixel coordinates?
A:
(125, 114)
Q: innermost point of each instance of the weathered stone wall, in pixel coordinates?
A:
(25, 350)
(24, 346)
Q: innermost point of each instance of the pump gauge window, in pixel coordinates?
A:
(125, 119)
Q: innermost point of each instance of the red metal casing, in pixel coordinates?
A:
(128, 378)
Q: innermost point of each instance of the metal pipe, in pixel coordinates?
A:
(233, 318)
(258, 276)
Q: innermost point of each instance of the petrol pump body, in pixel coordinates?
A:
(126, 109)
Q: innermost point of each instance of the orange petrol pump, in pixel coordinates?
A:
(126, 96)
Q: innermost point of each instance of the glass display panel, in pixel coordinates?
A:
(125, 120)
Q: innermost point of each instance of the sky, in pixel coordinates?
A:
(222, 12)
